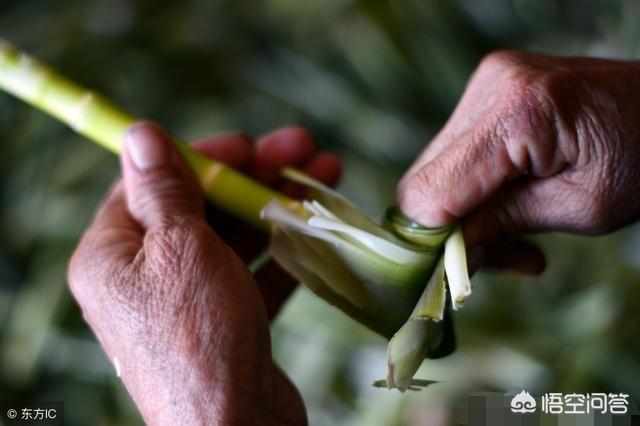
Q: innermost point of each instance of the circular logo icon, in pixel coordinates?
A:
(11, 413)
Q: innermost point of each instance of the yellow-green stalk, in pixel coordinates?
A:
(93, 116)
(391, 277)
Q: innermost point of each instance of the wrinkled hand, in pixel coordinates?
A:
(175, 308)
(537, 143)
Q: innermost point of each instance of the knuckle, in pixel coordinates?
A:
(544, 89)
(175, 246)
(556, 83)
(525, 94)
(524, 80)
(299, 133)
(524, 88)
(499, 60)
(93, 274)
(159, 187)
(527, 122)
(84, 270)
(76, 271)
(507, 64)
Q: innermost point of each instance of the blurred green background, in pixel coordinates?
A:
(374, 80)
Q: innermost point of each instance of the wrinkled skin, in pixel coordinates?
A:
(173, 305)
(537, 143)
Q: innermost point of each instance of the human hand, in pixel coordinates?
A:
(537, 143)
(264, 160)
(174, 307)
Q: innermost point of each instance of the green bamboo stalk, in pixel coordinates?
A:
(93, 116)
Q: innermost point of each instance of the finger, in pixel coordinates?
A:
(529, 205)
(275, 285)
(113, 226)
(518, 256)
(113, 238)
(247, 241)
(459, 179)
(478, 96)
(284, 147)
(521, 257)
(113, 213)
(160, 187)
(235, 150)
(324, 167)
(471, 170)
(289, 146)
(113, 229)
(431, 151)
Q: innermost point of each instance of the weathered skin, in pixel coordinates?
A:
(537, 143)
(173, 305)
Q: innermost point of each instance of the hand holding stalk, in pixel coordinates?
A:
(390, 277)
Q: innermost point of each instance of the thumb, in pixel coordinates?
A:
(456, 181)
(160, 186)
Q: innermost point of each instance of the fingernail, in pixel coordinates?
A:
(147, 147)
